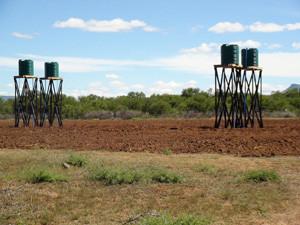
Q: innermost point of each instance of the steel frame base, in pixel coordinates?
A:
(238, 96)
(51, 102)
(26, 102)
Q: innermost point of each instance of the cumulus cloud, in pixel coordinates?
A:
(137, 86)
(203, 48)
(247, 44)
(112, 76)
(161, 87)
(11, 85)
(104, 26)
(296, 45)
(196, 28)
(24, 36)
(266, 27)
(119, 85)
(273, 46)
(269, 88)
(224, 27)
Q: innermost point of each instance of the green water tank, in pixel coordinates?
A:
(51, 69)
(229, 54)
(249, 57)
(25, 67)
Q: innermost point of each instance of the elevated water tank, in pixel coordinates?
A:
(51, 69)
(229, 54)
(25, 67)
(249, 57)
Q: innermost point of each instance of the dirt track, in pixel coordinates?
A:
(278, 137)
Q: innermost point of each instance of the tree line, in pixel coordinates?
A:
(136, 104)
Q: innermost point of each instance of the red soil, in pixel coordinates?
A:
(278, 137)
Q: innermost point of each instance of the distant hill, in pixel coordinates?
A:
(293, 86)
(7, 97)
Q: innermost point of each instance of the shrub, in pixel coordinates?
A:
(101, 115)
(159, 108)
(77, 160)
(41, 176)
(261, 176)
(127, 115)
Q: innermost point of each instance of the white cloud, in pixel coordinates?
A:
(119, 85)
(295, 26)
(203, 48)
(227, 27)
(161, 87)
(5, 93)
(296, 45)
(223, 27)
(273, 46)
(10, 85)
(137, 86)
(112, 76)
(104, 26)
(95, 84)
(269, 88)
(195, 28)
(247, 44)
(19, 35)
(280, 64)
(151, 29)
(266, 27)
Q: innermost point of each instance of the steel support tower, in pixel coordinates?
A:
(51, 100)
(238, 96)
(26, 102)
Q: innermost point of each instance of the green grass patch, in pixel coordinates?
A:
(168, 151)
(261, 175)
(113, 176)
(165, 219)
(78, 160)
(41, 176)
(206, 168)
(162, 175)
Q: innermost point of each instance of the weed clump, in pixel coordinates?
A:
(162, 175)
(261, 175)
(168, 151)
(113, 176)
(41, 176)
(116, 176)
(78, 160)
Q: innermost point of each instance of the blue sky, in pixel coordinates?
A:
(109, 48)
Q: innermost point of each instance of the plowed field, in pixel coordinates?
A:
(278, 137)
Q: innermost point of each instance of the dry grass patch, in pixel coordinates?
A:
(211, 188)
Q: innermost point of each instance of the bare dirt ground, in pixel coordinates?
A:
(278, 137)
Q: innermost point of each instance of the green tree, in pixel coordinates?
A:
(189, 92)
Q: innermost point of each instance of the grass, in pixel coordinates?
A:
(78, 160)
(261, 175)
(137, 183)
(206, 168)
(113, 176)
(168, 151)
(41, 176)
(155, 218)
